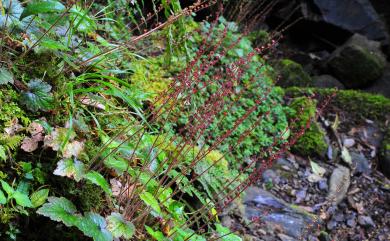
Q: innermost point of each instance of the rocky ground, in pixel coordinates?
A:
(338, 196)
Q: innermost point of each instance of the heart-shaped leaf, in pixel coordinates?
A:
(93, 225)
(38, 96)
(70, 168)
(119, 227)
(6, 77)
(60, 210)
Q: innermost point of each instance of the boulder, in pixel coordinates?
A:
(355, 16)
(382, 85)
(357, 63)
(327, 81)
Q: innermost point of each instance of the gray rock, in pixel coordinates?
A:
(327, 81)
(284, 237)
(358, 63)
(382, 85)
(270, 175)
(323, 185)
(360, 163)
(356, 16)
(366, 221)
(276, 213)
(338, 184)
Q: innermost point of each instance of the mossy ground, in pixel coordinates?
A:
(358, 104)
(313, 140)
(292, 74)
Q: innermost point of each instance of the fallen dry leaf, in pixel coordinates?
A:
(88, 101)
(29, 144)
(73, 149)
(36, 130)
(13, 128)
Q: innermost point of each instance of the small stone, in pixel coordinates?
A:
(366, 221)
(360, 163)
(339, 217)
(323, 185)
(270, 175)
(338, 184)
(349, 142)
(351, 222)
(331, 225)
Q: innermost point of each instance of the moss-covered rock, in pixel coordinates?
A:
(313, 141)
(358, 62)
(358, 104)
(292, 74)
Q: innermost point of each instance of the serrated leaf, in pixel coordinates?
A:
(6, 77)
(60, 210)
(38, 96)
(151, 201)
(22, 199)
(35, 8)
(119, 227)
(70, 168)
(98, 179)
(7, 188)
(3, 199)
(38, 198)
(93, 225)
(3, 155)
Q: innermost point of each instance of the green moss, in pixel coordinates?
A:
(149, 76)
(292, 74)
(359, 105)
(313, 141)
(9, 107)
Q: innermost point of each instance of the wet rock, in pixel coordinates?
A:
(338, 184)
(351, 221)
(358, 63)
(327, 81)
(366, 221)
(360, 163)
(276, 213)
(361, 18)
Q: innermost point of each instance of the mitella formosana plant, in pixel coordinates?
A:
(132, 126)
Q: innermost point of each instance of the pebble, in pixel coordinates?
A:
(323, 185)
(366, 221)
(331, 225)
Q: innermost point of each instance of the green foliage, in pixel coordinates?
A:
(98, 179)
(38, 7)
(235, 105)
(38, 198)
(292, 74)
(70, 168)
(60, 210)
(21, 198)
(313, 140)
(38, 96)
(119, 227)
(91, 224)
